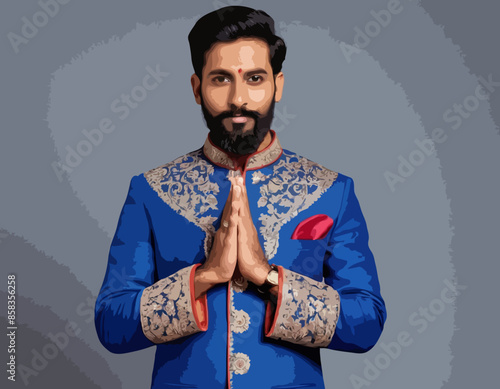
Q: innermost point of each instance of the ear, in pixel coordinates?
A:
(279, 81)
(196, 85)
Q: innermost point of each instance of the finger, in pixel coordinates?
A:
(230, 243)
(236, 202)
(231, 196)
(228, 220)
(229, 224)
(242, 229)
(236, 192)
(244, 205)
(233, 214)
(240, 182)
(232, 228)
(227, 207)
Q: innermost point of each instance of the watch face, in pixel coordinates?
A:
(273, 277)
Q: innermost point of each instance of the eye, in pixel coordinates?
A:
(255, 79)
(220, 79)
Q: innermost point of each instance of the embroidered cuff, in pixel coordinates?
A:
(306, 313)
(169, 309)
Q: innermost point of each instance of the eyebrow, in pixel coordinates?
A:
(248, 73)
(219, 72)
(254, 72)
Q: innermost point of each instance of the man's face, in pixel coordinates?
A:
(237, 93)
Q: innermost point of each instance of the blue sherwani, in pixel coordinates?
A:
(310, 226)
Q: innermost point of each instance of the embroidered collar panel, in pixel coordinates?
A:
(254, 161)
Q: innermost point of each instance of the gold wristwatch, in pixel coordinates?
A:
(273, 276)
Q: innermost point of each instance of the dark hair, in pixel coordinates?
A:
(230, 23)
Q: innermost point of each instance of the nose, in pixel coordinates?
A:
(235, 109)
(238, 94)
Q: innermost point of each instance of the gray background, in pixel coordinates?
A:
(356, 115)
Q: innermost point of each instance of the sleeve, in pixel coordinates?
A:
(133, 311)
(345, 312)
(306, 311)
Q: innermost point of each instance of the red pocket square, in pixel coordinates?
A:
(314, 227)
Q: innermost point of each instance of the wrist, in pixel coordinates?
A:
(260, 274)
(204, 280)
(211, 275)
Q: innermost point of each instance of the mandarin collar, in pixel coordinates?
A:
(254, 161)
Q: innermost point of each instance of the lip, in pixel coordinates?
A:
(239, 119)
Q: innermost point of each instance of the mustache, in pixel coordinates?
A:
(238, 112)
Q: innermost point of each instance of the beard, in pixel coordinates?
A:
(238, 141)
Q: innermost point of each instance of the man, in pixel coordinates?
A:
(240, 260)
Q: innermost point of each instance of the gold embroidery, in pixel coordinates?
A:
(184, 184)
(239, 363)
(294, 185)
(166, 308)
(259, 159)
(240, 321)
(265, 157)
(216, 155)
(308, 313)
